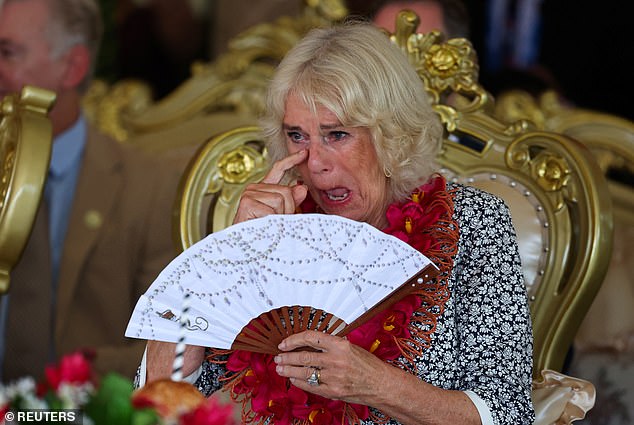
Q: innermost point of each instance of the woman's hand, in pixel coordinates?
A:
(346, 372)
(350, 373)
(271, 197)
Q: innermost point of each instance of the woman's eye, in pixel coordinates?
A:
(295, 136)
(6, 53)
(10, 52)
(336, 136)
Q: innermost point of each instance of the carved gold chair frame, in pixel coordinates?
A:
(609, 137)
(25, 150)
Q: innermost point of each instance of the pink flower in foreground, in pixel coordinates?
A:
(211, 412)
(73, 368)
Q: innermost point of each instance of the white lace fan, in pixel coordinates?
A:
(254, 283)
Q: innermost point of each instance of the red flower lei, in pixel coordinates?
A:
(397, 335)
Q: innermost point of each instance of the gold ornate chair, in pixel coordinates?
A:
(611, 140)
(25, 149)
(604, 344)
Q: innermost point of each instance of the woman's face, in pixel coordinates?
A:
(342, 171)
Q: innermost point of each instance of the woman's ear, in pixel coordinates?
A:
(77, 66)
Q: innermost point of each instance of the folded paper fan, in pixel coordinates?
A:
(254, 283)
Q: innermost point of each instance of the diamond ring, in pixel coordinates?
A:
(313, 379)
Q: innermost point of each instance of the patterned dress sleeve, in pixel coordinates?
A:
(492, 314)
(209, 380)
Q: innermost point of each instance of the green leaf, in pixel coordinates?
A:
(111, 404)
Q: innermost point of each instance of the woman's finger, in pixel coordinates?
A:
(277, 171)
(309, 377)
(260, 200)
(279, 198)
(314, 339)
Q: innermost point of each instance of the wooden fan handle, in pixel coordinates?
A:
(414, 283)
(263, 334)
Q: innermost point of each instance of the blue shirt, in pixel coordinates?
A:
(63, 172)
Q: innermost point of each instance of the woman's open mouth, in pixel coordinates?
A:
(337, 194)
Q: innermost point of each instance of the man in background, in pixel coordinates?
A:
(103, 230)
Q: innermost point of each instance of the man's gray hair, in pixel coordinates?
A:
(76, 22)
(73, 22)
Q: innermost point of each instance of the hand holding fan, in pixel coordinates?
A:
(254, 283)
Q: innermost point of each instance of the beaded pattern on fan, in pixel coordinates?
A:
(329, 263)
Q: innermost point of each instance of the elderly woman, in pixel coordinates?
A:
(350, 132)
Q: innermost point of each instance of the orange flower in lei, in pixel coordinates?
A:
(397, 335)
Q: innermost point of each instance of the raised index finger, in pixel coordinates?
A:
(276, 173)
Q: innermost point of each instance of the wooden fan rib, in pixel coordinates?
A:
(259, 325)
(324, 321)
(275, 315)
(260, 335)
(316, 314)
(428, 273)
(254, 347)
(250, 334)
(274, 331)
(332, 329)
(263, 334)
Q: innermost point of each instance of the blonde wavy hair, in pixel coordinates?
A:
(356, 72)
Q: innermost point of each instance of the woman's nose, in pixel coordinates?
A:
(318, 159)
